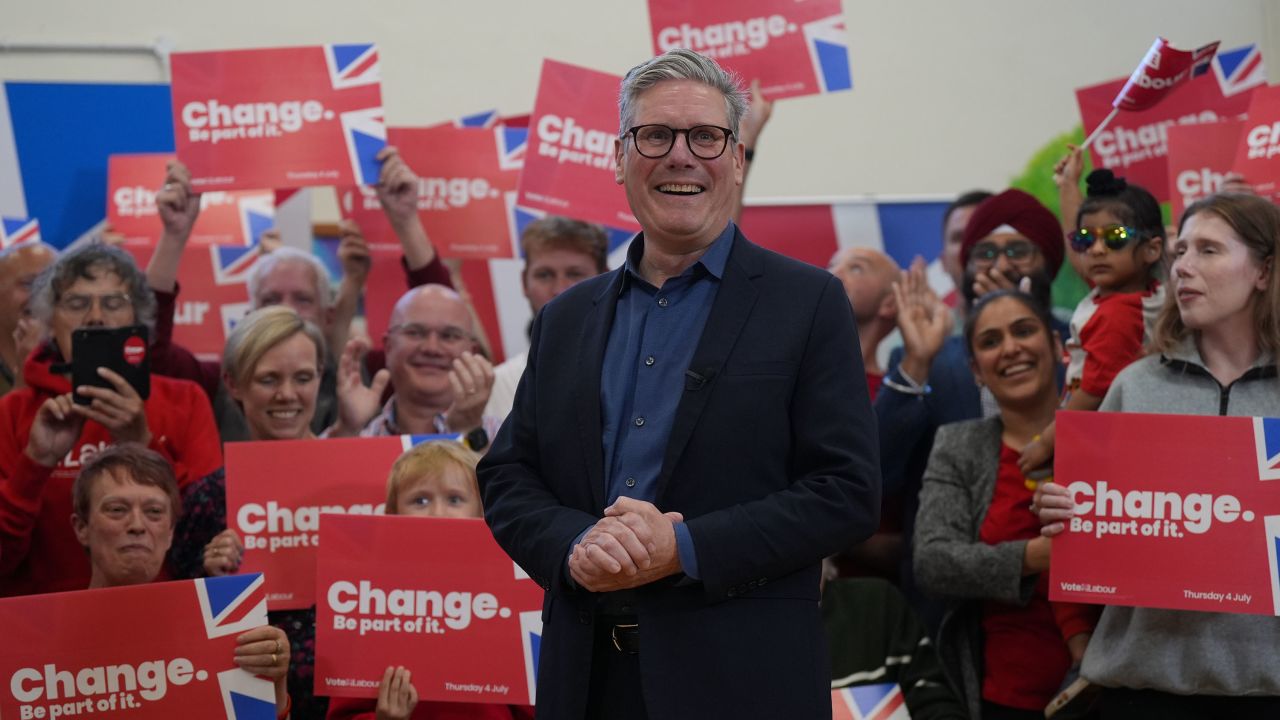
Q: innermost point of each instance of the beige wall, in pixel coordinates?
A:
(947, 95)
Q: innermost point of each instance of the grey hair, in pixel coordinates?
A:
(273, 259)
(88, 262)
(681, 64)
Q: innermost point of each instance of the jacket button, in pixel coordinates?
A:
(584, 617)
(733, 592)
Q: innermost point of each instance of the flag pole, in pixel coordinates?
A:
(1105, 122)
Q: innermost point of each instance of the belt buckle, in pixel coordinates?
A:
(613, 635)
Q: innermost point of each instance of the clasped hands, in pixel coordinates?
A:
(632, 545)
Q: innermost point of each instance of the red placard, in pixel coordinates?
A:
(279, 117)
(467, 192)
(1200, 157)
(276, 491)
(155, 651)
(1161, 502)
(1135, 144)
(436, 595)
(569, 165)
(1258, 155)
(226, 218)
(219, 255)
(794, 47)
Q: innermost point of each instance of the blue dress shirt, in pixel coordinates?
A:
(646, 368)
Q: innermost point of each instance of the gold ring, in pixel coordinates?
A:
(273, 658)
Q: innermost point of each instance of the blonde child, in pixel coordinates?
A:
(434, 479)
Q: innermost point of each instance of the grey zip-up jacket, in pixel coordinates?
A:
(1190, 653)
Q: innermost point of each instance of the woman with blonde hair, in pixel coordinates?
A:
(271, 366)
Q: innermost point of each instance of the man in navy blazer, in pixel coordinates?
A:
(691, 436)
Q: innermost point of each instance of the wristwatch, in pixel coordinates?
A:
(476, 440)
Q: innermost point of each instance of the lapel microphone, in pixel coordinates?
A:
(694, 380)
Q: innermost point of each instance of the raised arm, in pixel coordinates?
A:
(1066, 175)
(749, 129)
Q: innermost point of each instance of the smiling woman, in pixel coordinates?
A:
(272, 366)
(977, 541)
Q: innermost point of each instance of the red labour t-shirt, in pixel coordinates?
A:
(1025, 654)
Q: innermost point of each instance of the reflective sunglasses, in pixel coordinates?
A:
(1115, 237)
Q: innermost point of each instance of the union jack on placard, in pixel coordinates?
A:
(869, 702)
(366, 133)
(486, 119)
(1266, 435)
(828, 45)
(247, 697)
(257, 215)
(1239, 69)
(232, 604)
(232, 264)
(531, 639)
(14, 231)
(512, 142)
(352, 65)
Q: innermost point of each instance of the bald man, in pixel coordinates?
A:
(441, 380)
(868, 276)
(19, 266)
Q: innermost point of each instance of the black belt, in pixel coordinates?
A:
(624, 633)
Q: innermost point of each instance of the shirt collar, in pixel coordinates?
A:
(713, 260)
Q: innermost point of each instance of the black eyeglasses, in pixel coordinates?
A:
(1115, 237)
(705, 141)
(985, 253)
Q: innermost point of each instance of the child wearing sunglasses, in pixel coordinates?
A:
(1117, 243)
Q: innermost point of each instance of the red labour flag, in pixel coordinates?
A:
(1161, 70)
(1135, 144)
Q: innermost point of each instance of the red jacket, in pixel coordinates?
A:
(39, 552)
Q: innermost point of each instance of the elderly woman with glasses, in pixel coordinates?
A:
(45, 438)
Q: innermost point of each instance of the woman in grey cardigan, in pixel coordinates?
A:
(977, 543)
(1214, 353)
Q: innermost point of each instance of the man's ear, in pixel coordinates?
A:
(618, 147)
(888, 306)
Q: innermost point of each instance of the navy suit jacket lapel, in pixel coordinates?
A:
(734, 301)
(595, 336)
